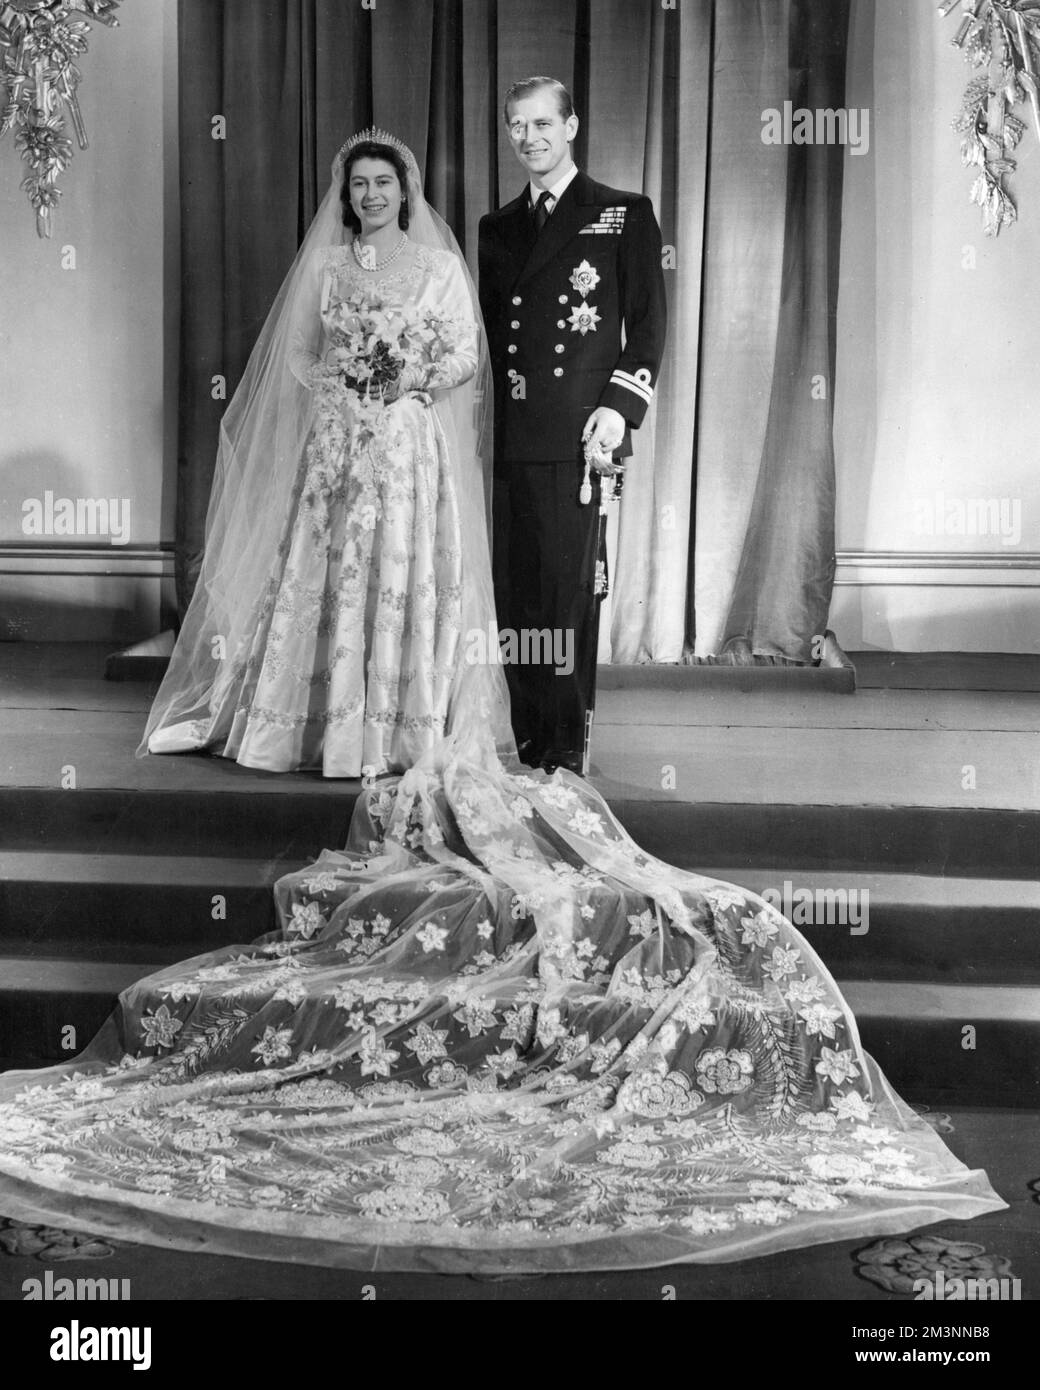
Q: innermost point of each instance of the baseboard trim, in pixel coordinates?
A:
(84, 593)
(125, 561)
(939, 568)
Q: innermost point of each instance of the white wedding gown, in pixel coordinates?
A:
(355, 640)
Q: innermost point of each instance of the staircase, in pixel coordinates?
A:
(102, 884)
(950, 901)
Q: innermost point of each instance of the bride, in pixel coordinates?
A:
(492, 1034)
(324, 632)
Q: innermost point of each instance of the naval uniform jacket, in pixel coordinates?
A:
(575, 317)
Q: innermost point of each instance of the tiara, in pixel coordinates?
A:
(379, 137)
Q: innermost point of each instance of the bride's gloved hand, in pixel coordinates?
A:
(321, 376)
(407, 385)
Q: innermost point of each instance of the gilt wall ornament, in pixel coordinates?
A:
(1002, 39)
(39, 43)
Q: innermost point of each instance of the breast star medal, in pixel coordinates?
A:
(584, 278)
(584, 319)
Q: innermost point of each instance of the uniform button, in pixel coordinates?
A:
(511, 373)
(511, 347)
(516, 324)
(557, 371)
(563, 299)
(517, 299)
(561, 323)
(560, 347)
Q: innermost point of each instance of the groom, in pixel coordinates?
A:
(573, 298)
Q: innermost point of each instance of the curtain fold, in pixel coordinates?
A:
(343, 82)
(240, 139)
(724, 542)
(782, 588)
(402, 41)
(743, 272)
(648, 618)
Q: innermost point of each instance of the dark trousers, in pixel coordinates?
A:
(545, 551)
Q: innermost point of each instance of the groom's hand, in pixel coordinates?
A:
(604, 430)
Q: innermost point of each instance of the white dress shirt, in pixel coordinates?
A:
(556, 192)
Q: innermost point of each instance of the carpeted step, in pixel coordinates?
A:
(161, 908)
(917, 1032)
(296, 817)
(909, 926)
(252, 820)
(938, 1043)
(132, 907)
(786, 837)
(50, 1009)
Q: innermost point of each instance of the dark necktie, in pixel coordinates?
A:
(541, 211)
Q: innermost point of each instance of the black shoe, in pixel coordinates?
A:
(527, 753)
(573, 762)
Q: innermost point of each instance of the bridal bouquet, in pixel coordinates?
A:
(376, 350)
(373, 343)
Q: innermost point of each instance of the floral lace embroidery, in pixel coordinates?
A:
(358, 631)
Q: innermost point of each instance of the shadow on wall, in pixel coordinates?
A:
(45, 499)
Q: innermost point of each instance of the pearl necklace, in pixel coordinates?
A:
(366, 256)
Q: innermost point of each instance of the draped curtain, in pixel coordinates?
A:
(724, 540)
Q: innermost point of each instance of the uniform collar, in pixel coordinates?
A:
(558, 189)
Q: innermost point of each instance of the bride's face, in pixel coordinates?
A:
(375, 194)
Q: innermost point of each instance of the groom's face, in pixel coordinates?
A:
(540, 136)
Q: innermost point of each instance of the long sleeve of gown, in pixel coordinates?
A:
(458, 365)
(306, 334)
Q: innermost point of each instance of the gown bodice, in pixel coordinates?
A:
(432, 281)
